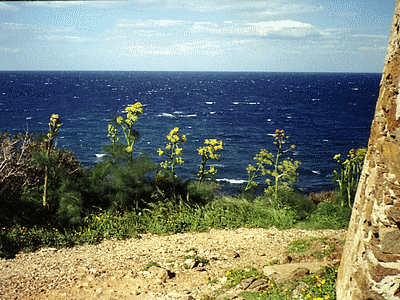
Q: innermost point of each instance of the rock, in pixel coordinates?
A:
(190, 263)
(390, 240)
(245, 283)
(259, 284)
(365, 270)
(280, 273)
(229, 254)
(300, 272)
(296, 293)
(159, 273)
(270, 273)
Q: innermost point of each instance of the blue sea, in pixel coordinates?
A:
(323, 113)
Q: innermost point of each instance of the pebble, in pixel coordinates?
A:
(116, 266)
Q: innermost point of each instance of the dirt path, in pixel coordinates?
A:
(115, 269)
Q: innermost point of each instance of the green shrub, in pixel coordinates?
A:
(348, 175)
(328, 215)
(284, 173)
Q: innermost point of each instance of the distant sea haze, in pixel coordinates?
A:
(323, 114)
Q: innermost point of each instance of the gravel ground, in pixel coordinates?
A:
(114, 269)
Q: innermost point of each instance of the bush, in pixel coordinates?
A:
(328, 215)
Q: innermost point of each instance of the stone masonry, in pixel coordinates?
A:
(370, 266)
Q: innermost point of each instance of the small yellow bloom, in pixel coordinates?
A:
(120, 120)
(160, 152)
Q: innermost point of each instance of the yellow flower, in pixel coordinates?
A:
(129, 149)
(178, 151)
(120, 120)
(183, 138)
(135, 108)
(160, 152)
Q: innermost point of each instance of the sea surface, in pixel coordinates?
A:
(323, 113)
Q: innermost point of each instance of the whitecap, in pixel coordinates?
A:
(212, 112)
(99, 155)
(190, 116)
(209, 103)
(235, 103)
(316, 172)
(28, 118)
(166, 115)
(232, 181)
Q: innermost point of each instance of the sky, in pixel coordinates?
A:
(201, 35)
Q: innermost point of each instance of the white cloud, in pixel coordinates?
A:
(374, 49)
(279, 9)
(180, 48)
(346, 15)
(377, 36)
(10, 50)
(67, 4)
(7, 7)
(253, 9)
(147, 23)
(73, 39)
(278, 25)
(271, 29)
(7, 27)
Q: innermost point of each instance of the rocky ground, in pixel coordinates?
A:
(187, 263)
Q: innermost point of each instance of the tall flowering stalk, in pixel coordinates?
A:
(130, 134)
(172, 151)
(112, 135)
(208, 152)
(284, 172)
(54, 126)
(349, 173)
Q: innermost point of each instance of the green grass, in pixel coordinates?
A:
(166, 217)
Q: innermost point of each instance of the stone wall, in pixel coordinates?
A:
(370, 266)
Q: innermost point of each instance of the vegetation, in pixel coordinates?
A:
(47, 199)
(321, 285)
(284, 173)
(349, 174)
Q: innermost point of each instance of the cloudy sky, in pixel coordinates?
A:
(201, 35)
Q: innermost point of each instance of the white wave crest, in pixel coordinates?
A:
(166, 115)
(232, 181)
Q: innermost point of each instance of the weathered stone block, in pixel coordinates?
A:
(390, 240)
(394, 214)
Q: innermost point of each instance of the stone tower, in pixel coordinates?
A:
(370, 266)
